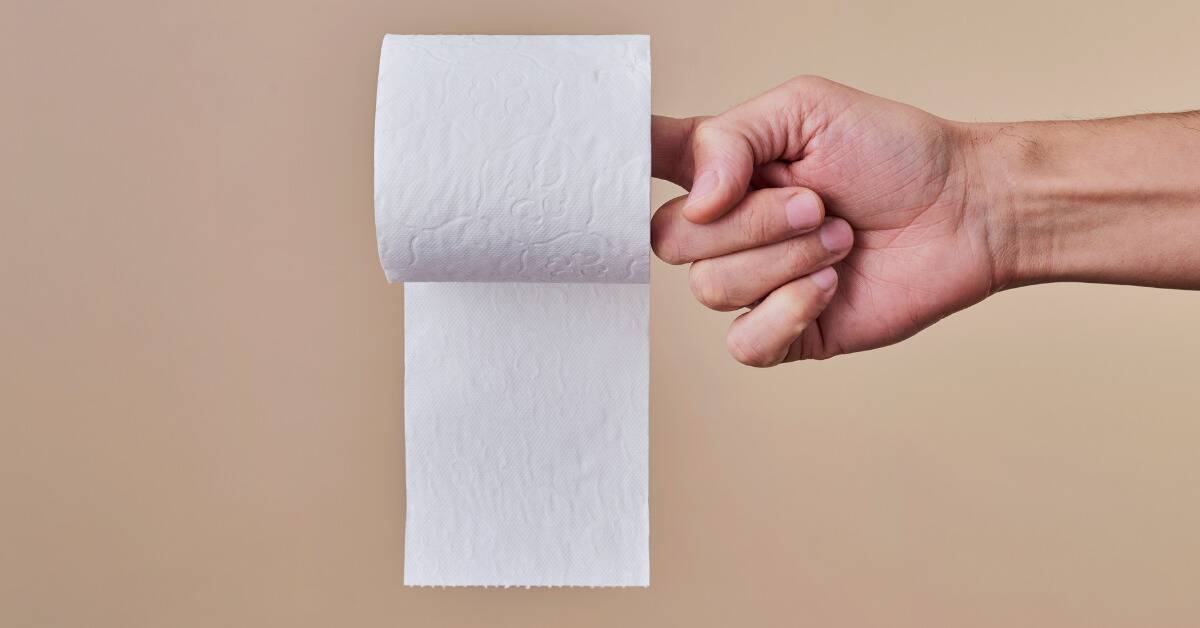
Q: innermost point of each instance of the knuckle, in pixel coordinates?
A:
(747, 352)
(707, 131)
(800, 256)
(704, 128)
(754, 225)
(665, 241)
(759, 217)
(791, 299)
(808, 81)
(694, 124)
(803, 304)
(708, 289)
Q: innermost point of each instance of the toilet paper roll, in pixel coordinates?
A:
(512, 193)
(502, 158)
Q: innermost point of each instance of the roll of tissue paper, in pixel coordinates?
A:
(512, 189)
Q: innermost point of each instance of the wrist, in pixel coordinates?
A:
(1002, 164)
(1106, 201)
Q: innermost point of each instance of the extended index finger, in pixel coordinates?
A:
(671, 150)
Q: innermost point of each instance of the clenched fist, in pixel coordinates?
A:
(899, 241)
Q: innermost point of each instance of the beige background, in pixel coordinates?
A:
(200, 361)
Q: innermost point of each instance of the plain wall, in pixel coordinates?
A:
(201, 362)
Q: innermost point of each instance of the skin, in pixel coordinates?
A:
(846, 222)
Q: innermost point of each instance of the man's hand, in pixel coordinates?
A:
(921, 246)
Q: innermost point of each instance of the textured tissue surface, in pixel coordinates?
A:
(516, 169)
(505, 158)
(526, 435)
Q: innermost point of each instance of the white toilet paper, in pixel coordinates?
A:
(502, 158)
(522, 161)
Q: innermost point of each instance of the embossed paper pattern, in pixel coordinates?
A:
(512, 195)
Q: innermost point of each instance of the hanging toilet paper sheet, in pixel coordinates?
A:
(512, 180)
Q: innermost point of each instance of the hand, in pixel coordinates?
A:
(902, 178)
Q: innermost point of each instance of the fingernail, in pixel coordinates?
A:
(802, 211)
(705, 184)
(824, 278)
(836, 236)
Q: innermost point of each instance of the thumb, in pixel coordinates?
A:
(727, 148)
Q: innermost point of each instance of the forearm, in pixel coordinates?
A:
(1108, 201)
